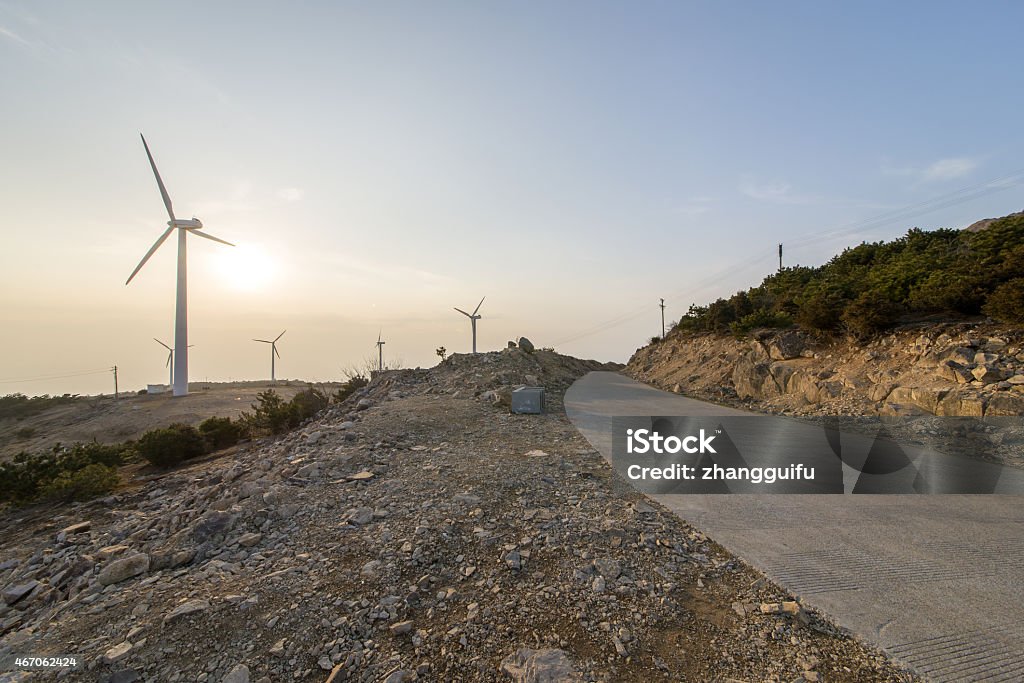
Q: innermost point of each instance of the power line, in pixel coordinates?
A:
(81, 373)
(964, 194)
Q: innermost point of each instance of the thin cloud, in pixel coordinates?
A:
(949, 169)
(291, 194)
(942, 170)
(11, 35)
(694, 206)
(774, 193)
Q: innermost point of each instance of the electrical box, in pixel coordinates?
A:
(529, 400)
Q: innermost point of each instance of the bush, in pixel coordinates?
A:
(308, 403)
(270, 413)
(172, 445)
(221, 432)
(89, 482)
(1006, 302)
(869, 314)
(760, 318)
(29, 477)
(354, 383)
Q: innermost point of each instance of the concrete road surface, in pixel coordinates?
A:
(937, 581)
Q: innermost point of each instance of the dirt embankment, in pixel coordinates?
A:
(418, 532)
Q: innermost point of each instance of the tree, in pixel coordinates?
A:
(442, 352)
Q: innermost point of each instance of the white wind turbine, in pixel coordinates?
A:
(273, 351)
(170, 361)
(380, 351)
(184, 227)
(473, 317)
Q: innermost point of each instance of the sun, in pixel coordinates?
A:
(247, 268)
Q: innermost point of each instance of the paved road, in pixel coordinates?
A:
(935, 580)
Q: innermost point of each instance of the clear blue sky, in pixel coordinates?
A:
(379, 163)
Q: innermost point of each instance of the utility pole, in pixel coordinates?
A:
(780, 258)
(115, 382)
(662, 318)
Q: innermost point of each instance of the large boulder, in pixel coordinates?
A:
(526, 345)
(786, 346)
(539, 666)
(1005, 403)
(753, 380)
(124, 568)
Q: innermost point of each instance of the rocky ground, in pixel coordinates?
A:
(917, 378)
(419, 532)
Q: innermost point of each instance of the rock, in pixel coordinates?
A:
(363, 404)
(18, 592)
(250, 539)
(986, 358)
(76, 528)
(539, 666)
(988, 374)
(526, 345)
(952, 371)
(361, 476)
(239, 674)
(124, 568)
(677, 388)
(117, 653)
(513, 560)
(213, 523)
(1005, 404)
(186, 609)
(1016, 379)
(511, 344)
(313, 438)
(608, 568)
(400, 676)
(786, 346)
(786, 607)
(753, 379)
(123, 676)
(401, 628)
(277, 649)
(360, 516)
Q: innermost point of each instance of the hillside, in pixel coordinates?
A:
(101, 418)
(417, 532)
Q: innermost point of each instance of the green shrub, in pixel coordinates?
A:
(308, 403)
(172, 445)
(89, 482)
(270, 413)
(760, 318)
(221, 432)
(1006, 302)
(31, 476)
(869, 314)
(354, 383)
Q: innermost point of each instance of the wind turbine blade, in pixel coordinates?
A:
(149, 253)
(478, 306)
(264, 341)
(210, 237)
(168, 363)
(159, 180)
(378, 336)
(280, 335)
(162, 344)
(463, 312)
(276, 351)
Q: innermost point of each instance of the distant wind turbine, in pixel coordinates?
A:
(184, 227)
(170, 359)
(473, 317)
(273, 352)
(380, 351)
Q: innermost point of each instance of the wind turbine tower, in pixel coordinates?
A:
(473, 317)
(273, 352)
(380, 352)
(179, 372)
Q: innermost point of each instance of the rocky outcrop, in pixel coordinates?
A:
(948, 370)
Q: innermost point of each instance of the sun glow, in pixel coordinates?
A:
(246, 268)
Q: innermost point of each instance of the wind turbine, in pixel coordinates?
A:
(473, 317)
(380, 352)
(170, 356)
(184, 227)
(273, 351)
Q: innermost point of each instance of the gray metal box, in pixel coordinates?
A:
(528, 400)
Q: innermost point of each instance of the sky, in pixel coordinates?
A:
(378, 163)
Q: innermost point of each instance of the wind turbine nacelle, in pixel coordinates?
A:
(190, 224)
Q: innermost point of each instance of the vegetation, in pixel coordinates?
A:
(20, 406)
(64, 473)
(172, 445)
(351, 385)
(272, 414)
(221, 432)
(442, 352)
(871, 287)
